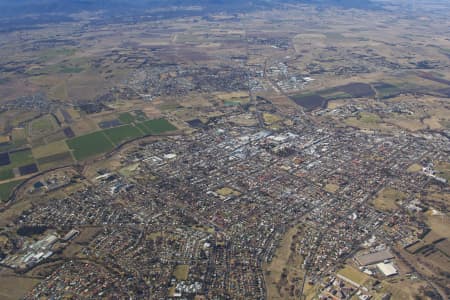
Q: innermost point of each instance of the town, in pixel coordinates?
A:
(254, 150)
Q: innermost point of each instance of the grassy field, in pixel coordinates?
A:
(226, 191)
(42, 126)
(285, 268)
(6, 173)
(386, 90)
(444, 169)
(126, 118)
(12, 287)
(271, 118)
(49, 54)
(50, 149)
(18, 159)
(331, 187)
(157, 126)
(7, 188)
(414, 168)
(21, 158)
(354, 275)
(387, 199)
(120, 134)
(90, 145)
(181, 272)
(19, 137)
(55, 160)
(366, 120)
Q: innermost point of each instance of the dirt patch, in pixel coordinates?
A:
(13, 287)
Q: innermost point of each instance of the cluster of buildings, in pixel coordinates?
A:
(35, 252)
(167, 79)
(220, 201)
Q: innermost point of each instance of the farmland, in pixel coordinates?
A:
(99, 142)
(90, 145)
(53, 161)
(309, 102)
(42, 126)
(157, 126)
(50, 149)
(16, 159)
(120, 134)
(7, 188)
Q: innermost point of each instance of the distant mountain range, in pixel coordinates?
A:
(27, 14)
(24, 7)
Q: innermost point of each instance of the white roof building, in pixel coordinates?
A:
(387, 269)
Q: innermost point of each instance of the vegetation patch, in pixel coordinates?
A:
(123, 133)
(58, 52)
(370, 118)
(6, 174)
(17, 159)
(14, 287)
(365, 120)
(140, 116)
(226, 191)
(354, 275)
(443, 169)
(386, 90)
(285, 270)
(331, 187)
(414, 168)
(7, 188)
(19, 137)
(181, 272)
(89, 145)
(157, 126)
(126, 118)
(21, 158)
(356, 89)
(50, 149)
(109, 124)
(387, 199)
(310, 101)
(43, 126)
(55, 160)
(271, 118)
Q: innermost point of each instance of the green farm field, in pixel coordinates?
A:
(18, 159)
(123, 133)
(103, 141)
(7, 188)
(90, 145)
(157, 126)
